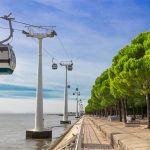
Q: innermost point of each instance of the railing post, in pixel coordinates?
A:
(79, 137)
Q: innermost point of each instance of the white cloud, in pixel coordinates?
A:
(28, 106)
(66, 6)
(91, 38)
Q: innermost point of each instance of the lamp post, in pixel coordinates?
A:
(39, 131)
(80, 107)
(77, 93)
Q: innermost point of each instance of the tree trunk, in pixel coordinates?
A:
(116, 110)
(99, 113)
(126, 106)
(111, 111)
(105, 112)
(148, 109)
(120, 112)
(142, 112)
(133, 111)
(124, 110)
(96, 113)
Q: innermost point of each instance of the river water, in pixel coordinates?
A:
(13, 131)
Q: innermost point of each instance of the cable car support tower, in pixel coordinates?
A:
(68, 67)
(39, 131)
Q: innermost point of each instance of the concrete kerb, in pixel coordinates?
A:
(57, 141)
(107, 130)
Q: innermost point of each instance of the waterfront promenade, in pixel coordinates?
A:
(121, 137)
(91, 137)
(101, 134)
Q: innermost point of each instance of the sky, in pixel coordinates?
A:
(92, 32)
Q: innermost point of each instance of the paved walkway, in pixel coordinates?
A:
(93, 138)
(121, 137)
(100, 134)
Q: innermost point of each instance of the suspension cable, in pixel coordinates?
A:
(27, 24)
(34, 40)
(46, 51)
(64, 49)
(42, 27)
(13, 28)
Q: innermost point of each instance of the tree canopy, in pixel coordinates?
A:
(127, 80)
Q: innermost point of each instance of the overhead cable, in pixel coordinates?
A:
(64, 49)
(13, 28)
(27, 24)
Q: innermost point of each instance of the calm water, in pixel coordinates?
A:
(13, 129)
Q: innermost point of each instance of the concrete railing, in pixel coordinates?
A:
(79, 137)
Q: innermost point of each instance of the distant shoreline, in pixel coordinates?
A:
(59, 114)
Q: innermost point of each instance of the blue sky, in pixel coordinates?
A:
(92, 32)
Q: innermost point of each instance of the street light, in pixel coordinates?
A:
(80, 107)
(77, 93)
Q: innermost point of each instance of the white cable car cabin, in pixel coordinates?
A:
(54, 66)
(7, 59)
(70, 67)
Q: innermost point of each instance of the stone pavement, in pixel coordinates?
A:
(123, 138)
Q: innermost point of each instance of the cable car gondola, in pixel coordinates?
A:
(54, 66)
(70, 67)
(7, 59)
(7, 55)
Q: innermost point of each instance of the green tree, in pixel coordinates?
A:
(131, 69)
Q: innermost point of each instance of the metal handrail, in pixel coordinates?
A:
(79, 138)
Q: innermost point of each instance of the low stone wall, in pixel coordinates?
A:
(130, 142)
(109, 132)
(121, 140)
